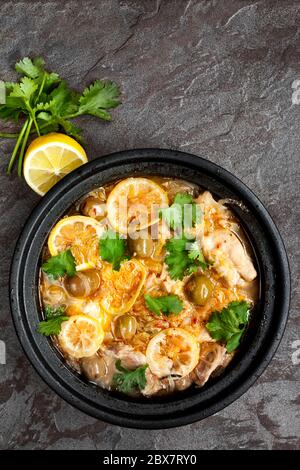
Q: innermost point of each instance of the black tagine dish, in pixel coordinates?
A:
(198, 395)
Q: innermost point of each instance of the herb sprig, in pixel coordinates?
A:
(54, 319)
(166, 304)
(229, 324)
(113, 249)
(177, 216)
(59, 265)
(184, 257)
(44, 103)
(128, 381)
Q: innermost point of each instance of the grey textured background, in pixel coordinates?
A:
(209, 77)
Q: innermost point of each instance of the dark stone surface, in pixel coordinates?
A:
(212, 78)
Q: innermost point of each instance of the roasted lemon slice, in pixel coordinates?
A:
(81, 234)
(49, 158)
(133, 204)
(81, 336)
(173, 351)
(120, 289)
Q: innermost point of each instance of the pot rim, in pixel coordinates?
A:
(19, 308)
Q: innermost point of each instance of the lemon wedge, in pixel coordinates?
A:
(81, 336)
(49, 158)
(173, 351)
(81, 235)
(133, 204)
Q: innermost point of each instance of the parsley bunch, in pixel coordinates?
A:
(229, 324)
(128, 381)
(45, 103)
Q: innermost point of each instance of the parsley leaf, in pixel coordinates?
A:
(35, 69)
(166, 304)
(183, 212)
(229, 324)
(55, 112)
(128, 381)
(59, 265)
(113, 249)
(25, 89)
(52, 312)
(196, 254)
(54, 319)
(184, 257)
(99, 97)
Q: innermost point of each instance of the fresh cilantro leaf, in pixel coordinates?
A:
(98, 97)
(51, 312)
(54, 113)
(196, 254)
(25, 89)
(59, 265)
(229, 324)
(31, 68)
(128, 381)
(54, 319)
(62, 101)
(180, 260)
(113, 249)
(183, 212)
(35, 69)
(166, 304)
(12, 108)
(52, 326)
(172, 215)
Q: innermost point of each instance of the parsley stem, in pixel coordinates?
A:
(41, 87)
(8, 135)
(32, 114)
(72, 116)
(21, 155)
(16, 147)
(12, 135)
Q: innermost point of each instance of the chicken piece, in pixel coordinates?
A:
(101, 367)
(212, 356)
(158, 387)
(130, 358)
(229, 257)
(214, 214)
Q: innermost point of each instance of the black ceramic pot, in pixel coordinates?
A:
(267, 322)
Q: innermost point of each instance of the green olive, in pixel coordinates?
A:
(124, 327)
(200, 289)
(142, 247)
(93, 367)
(83, 284)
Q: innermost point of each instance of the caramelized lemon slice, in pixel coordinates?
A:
(81, 234)
(49, 158)
(81, 336)
(131, 204)
(120, 289)
(173, 351)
